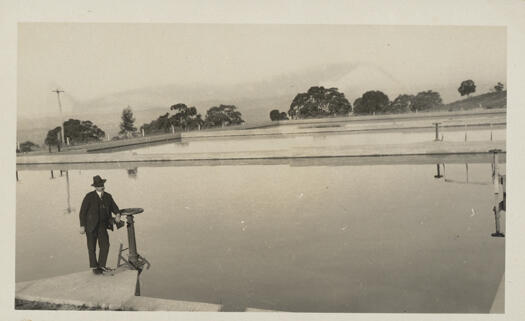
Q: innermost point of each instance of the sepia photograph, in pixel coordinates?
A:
(262, 164)
(244, 167)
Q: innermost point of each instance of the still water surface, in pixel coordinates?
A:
(368, 238)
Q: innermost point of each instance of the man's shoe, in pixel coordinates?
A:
(107, 271)
(97, 271)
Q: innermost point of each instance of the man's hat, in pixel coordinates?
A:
(98, 181)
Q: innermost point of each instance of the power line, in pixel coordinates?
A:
(58, 91)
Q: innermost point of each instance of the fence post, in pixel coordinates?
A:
(437, 131)
(142, 132)
(466, 128)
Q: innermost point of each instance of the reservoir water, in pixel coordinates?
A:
(312, 238)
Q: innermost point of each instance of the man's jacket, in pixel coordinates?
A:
(95, 210)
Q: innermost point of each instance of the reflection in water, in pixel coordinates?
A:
(315, 238)
(465, 181)
(132, 172)
(438, 174)
(69, 209)
(498, 182)
(497, 178)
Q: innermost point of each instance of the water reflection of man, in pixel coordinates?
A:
(95, 219)
(132, 172)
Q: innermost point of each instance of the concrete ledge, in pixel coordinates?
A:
(357, 119)
(104, 292)
(345, 127)
(260, 310)
(140, 303)
(131, 143)
(337, 125)
(483, 158)
(411, 149)
(82, 288)
(498, 305)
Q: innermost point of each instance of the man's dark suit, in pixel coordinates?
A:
(95, 217)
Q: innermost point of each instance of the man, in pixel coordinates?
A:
(95, 219)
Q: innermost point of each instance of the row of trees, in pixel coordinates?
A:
(186, 118)
(323, 102)
(468, 87)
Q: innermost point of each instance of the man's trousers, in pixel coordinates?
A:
(101, 234)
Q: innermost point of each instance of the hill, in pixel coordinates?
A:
(488, 101)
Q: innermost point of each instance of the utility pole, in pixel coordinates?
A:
(58, 91)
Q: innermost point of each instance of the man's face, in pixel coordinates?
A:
(99, 189)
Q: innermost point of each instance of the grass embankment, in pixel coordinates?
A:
(33, 305)
(487, 101)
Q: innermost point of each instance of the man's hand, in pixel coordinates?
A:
(117, 218)
(82, 230)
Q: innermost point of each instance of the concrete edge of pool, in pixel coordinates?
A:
(104, 292)
(492, 119)
(409, 149)
(117, 292)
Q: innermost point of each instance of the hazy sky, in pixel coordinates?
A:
(90, 61)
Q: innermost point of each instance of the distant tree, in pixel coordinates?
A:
(402, 104)
(82, 131)
(186, 117)
(127, 126)
(371, 102)
(426, 100)
(319, 102)
(223, 115)
(27, 146)
(358, 105)
(195, 122)
(161, 124)
(77, 131)
(52, 137)
(467, 87)
(499, 87)
(276, 115)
